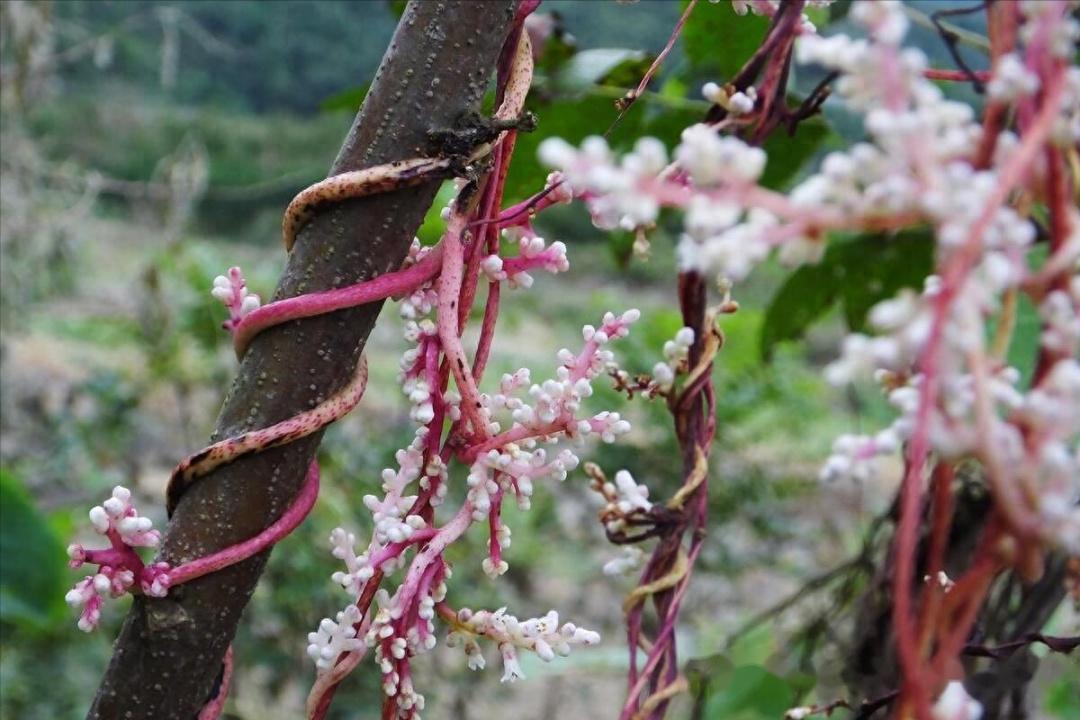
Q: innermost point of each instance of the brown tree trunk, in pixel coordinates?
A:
(169, 652)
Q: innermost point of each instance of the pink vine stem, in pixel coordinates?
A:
(455, 274)
(953, 276)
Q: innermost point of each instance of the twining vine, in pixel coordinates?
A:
(986, 188)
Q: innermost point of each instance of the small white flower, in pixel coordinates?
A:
(954, 703)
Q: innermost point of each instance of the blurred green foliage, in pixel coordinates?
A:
(31, 580)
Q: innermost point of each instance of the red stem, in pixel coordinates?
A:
(284, 525)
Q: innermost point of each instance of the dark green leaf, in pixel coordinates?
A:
(859, 273)
(751, 692)
(1024, 348)
(32, 571)
(876, 268)
(348, 100)
(708, 675)
(805, 297)
(839, 10)
(788, 153)
(717, 41)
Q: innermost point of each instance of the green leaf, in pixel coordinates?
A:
(433, 226)
(590, 67)
(806, 295)
(876, 268)
(349, 99)
(751, 692)
(858, 273)
(788, 153)
(1024, 349)
(32, 571)
(708, 674)
(1063, 698)
(755, 647)
(718, 42)
(839, 10)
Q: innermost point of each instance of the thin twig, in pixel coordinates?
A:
(623, 104)
(951, 38)
(810, 586)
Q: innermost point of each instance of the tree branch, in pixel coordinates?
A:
(169, 652)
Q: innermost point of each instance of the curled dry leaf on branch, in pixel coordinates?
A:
(991, 189)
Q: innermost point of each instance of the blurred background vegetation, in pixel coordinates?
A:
(148, 146)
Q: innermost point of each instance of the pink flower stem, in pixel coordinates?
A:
(119, 556)
(918, 449)
(660, 642)
(213, 709)
(487, 330)
(513, 435)
(400, 282)
(449, 288)
(521, 214)
(445, 535)
(381, 556)
(491, 308)
(281, 527)
(956, 75)
(494, 515)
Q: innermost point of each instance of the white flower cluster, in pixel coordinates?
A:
(516, 466)
(625, 497)
(232, 291)
(1063, 31)
(559, 399)
(712, 159)
(553, 413)
(630, 194)
(954, 703)
(392, 650)
(916, 164)
(916, 167)
(118, 514)
(119, 566)
(89, 592)
(420, 302)
(333, 638)
(358, 567)
(675, 354)
(1061, 323)
(533, 254)
(736, 102)
(542, 636)
(853, 455)
(391, 523)
(617, 195)
(545, 412)
(1012, 80)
